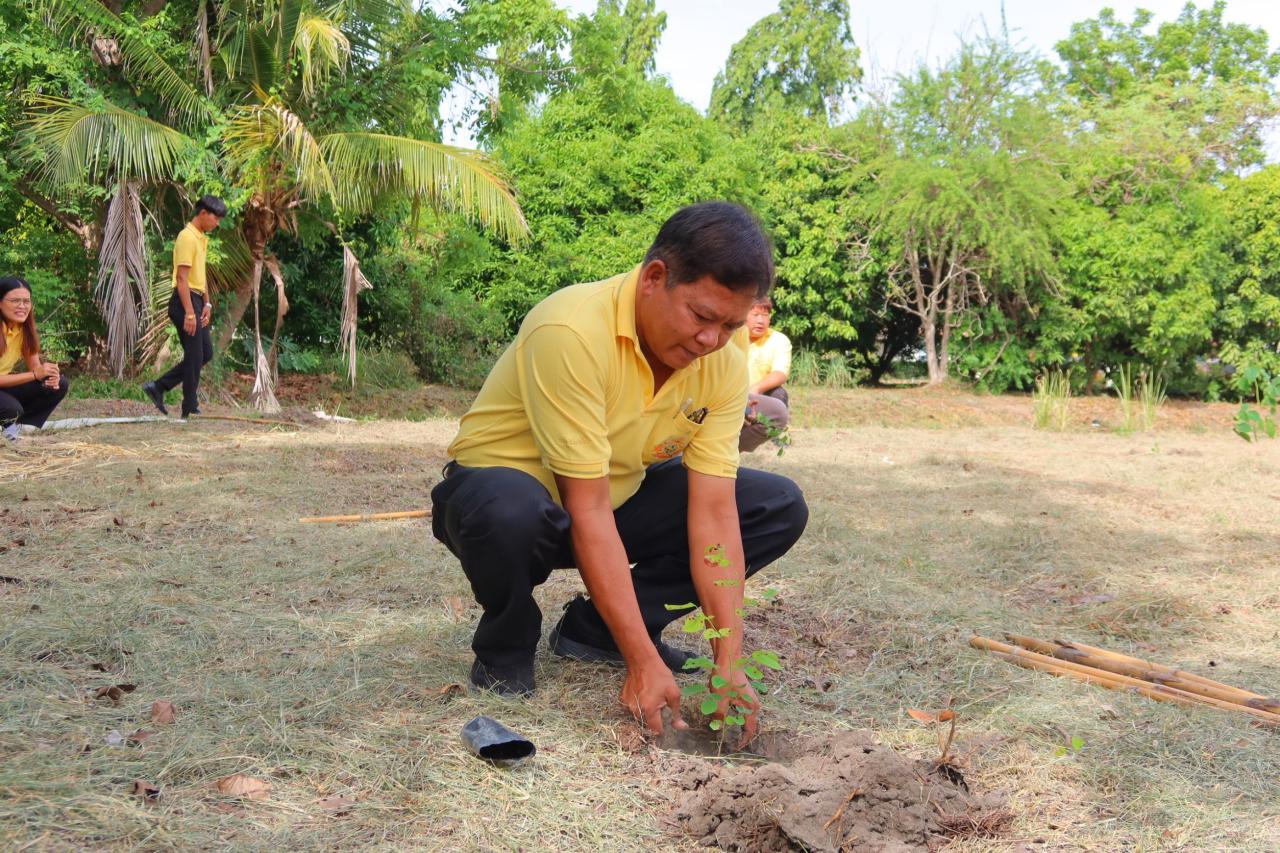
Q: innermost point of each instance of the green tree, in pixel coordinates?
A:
(1248, 322)
(260, 128)
(800, 59)
(967, 193)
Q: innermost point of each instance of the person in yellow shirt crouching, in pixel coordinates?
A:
(605, 438)
(768, 364)
(30, 396)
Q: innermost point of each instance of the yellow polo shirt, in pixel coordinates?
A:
(13, 339)
(573, 395)
(189, 250)
(771, 352)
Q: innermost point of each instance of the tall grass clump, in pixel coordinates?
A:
(805, 369)
(836, 372)
(1051, 400)
(1141, 397)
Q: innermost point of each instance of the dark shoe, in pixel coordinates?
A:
(567, 647)
(156, 395)
(509, 681)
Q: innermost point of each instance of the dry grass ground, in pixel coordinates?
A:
(319, 658)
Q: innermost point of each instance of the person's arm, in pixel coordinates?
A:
(39, 371)
(184, 296)
(770, 381)
(602, 562)
(718, 567)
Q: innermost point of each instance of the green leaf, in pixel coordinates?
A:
(766, 658)
(1077, 743)
(699, 663)
(753, 672)
(718, 681)
(692, 625)
(710, 634)
(709, 705)
(770, 594)
(693, 689)
(688, 606)
(715, 725)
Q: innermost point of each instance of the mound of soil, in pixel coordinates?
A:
(846, 792)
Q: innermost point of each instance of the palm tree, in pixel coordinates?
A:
(261, 66)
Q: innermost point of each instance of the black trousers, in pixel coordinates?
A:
(31, 402)
(509, 535)
(197, 350)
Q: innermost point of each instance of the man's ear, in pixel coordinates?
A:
(653, 275)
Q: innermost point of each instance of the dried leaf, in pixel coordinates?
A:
(163, 712)
(450, 690)
(457, 608)
(146, 791)
(114, 692)
(240, 785)
(922, 716)
(338, 804)
(139, 737)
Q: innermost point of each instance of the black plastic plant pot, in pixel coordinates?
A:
(491, 740)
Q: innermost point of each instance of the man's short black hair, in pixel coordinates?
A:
(719, 239)
(213, 204)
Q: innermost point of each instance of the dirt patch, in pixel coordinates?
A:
(845, 792)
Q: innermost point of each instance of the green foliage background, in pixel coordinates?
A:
(1113, 205)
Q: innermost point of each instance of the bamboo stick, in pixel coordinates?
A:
(267, 421)
(373, 516)
(1044, 663)
(1240, 697)
(1155, 673)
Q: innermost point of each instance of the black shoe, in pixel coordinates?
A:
(567, 647)
(156, 395)
(509, 681)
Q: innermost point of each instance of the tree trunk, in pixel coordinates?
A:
(240, 300)
(930, 329)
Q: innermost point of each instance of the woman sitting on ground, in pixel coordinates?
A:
(31, 396)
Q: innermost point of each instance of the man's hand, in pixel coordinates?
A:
(736, 692)
(648, 689)
(189, 325)
(206, 315)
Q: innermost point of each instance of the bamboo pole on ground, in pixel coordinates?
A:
(1146, 671)
(373, 516)
(267, 421)
(1044, 663)
(1245, 697)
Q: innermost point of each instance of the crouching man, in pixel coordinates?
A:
(606, 439)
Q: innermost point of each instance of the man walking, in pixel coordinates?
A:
(190, 309)
(606, 439)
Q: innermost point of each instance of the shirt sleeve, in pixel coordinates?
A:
(714, 448)
(184, 251)
(782, 355)
(562, 385)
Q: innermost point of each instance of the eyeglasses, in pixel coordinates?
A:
(17, 303)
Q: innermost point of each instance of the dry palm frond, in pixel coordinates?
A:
(264, 394)
(320, 48)
(353, 281)
(92, 142)
(143, 64)
(155, 326)
(122, 288)
(282, 308)
(366, 165)
(203, 48)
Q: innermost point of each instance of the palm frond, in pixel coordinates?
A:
(375, 14)
(282, 308)
(366, 165)
(203, 47)
(261, 63)
(320, 48)
(104, 141)
(353, 281)
(122, 290)
(270, 132)
(263, 394)
(143, 65)
(231, 265)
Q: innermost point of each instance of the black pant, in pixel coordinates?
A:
(197, 350)
(509, 534)
(31, 402)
